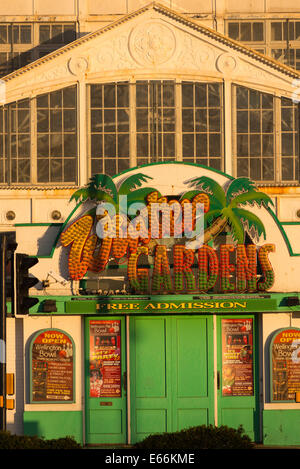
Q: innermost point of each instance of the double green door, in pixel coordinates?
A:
(166, 373)
(171, 369)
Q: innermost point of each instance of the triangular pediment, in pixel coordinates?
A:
(153, 41)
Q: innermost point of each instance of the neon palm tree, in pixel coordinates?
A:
(225, 208)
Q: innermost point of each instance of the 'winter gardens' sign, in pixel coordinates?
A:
(163, 244)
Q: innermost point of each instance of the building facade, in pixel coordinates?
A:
(166, 105)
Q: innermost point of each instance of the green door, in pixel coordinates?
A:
(171, 371)
(238, 393)
(105, 355)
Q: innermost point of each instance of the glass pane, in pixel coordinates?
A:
(69, 120)
(214, 120)
(258, 32)
(69, 97)
(188, 145)
(287, 119)
(276, 32)
(55, 120)
(109, 120)
(187, 120)
(42, 120)
(168, 120)
(255, 149)
(55, 145)
(42, 145)
(267, 121)
(241, 98)
(142, 145)
(70, 145)
(142, 95)
(267, 145)
(69, 170)
(242, 121)
(287, 169)
(201, 119)
(242, 167)
(255, 169)
(214, 95)
(254, 121)
(109, 145)
(254, 99)
(109, 95)
(110, 167)
(268, 169)
(123, 95)
(123, 120)
(168, 95)
(201, 145)
(141, 120)
(43, 170)
(242, 145)
(245, 29)
(96, 145)
(44, 33)
(214, 145)
(123, 145)
(96, 96)
(97, 166)
(200, 95)
(56, 170)
(96, 121)
(123, 165)
(233, 30)
(56, 99)
(25, 34)
(287, 144)
(169, 145)
(187, 95)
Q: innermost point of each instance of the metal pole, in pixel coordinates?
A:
(3, 332)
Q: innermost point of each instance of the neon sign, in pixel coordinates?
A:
(124, 226)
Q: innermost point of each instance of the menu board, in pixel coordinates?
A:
(237, 357)
(286, 364)
(105, 358)
(52, 367)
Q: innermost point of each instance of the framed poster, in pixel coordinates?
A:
(285, 364)
(105, 358)
(52, 355)
(237, 357)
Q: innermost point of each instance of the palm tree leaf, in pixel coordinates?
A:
(252, 197)
(212, 188)
(132, 182)
(104, 183)
(82, 194)
(251, 220)
(235, 225)
(139, 196)
(189, 195)
(239, 186)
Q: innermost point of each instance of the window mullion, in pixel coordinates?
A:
(132, 124)
(178, 121)
(33, 141)
(277, 136)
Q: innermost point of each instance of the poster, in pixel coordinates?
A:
(237, 357)
(105, 358)
(286, 364)
(52, 359)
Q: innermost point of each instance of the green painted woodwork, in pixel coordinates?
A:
(281, 427)
(178, 304)
(53, 424)
(171, 369)
(234, 411)
(106, 424)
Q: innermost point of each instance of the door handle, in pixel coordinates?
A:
(218, 380)
(125, 381)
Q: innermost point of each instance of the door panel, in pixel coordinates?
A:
(238, 394)
(171, 374)
(193, 375)
(105, 355)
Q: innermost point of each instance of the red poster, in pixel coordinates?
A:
(105, 358)
(237, 357)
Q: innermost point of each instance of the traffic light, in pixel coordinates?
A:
(23, 282)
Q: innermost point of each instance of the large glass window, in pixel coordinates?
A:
(109, 128)
(57, 136)
(260, 154)
(22, 43)
(155, 121)
(202, 132)
(15, 142)
(150, 121)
